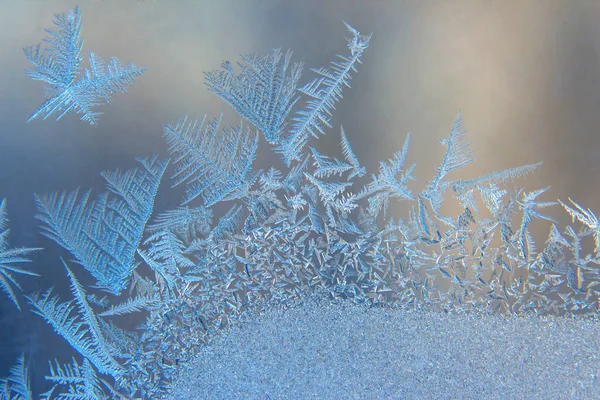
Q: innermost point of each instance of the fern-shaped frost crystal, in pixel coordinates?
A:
(528, 205)
(17, 385)
(457, 155)
(213, 164)
(59, 65)
(9, 257)
(263, 93)
(387, 185)
(324, 92)
(462, 186)
(81, 330)
(351, 157)
(184, 221)
(588, 218)
(82, 381)
(104, 234)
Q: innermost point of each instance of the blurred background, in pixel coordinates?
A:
(524, 74)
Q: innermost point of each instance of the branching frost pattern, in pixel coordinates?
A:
(286, 234)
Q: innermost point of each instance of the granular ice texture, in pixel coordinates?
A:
(321, 350)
